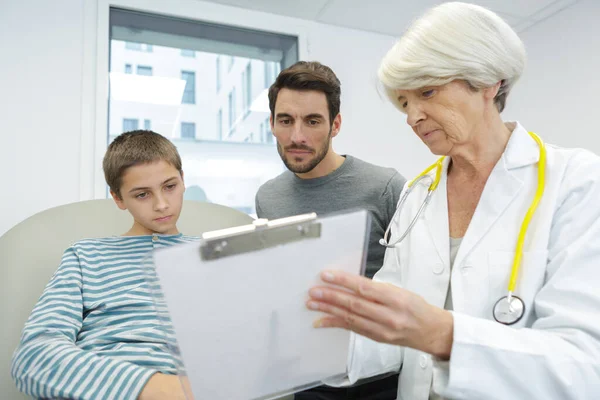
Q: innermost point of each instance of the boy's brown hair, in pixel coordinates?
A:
(133, 148)
(309, 75)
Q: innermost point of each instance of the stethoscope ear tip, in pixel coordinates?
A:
(382, 242)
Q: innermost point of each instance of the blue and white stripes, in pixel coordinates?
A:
(96, 331)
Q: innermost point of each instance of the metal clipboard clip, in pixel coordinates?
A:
(261, 234)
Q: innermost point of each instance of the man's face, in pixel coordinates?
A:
(301, 125)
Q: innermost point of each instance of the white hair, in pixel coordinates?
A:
(455, 41)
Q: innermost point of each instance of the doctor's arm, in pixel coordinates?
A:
(557, 358)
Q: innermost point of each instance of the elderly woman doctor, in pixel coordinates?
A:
(492, 290)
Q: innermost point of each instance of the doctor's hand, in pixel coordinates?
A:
(382, 312)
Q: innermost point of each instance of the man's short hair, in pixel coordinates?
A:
(309, 75)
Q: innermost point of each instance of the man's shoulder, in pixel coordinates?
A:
(280, 182)
(376, 173)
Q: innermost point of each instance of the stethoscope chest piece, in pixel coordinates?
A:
(509, 313)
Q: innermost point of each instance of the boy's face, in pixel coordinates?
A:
(153, 195)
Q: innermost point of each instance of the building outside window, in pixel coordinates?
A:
(247, 86)
(144, 70)
(223, 134)
(130, 124)
(232, 109)
(189, 93)
(188, 130)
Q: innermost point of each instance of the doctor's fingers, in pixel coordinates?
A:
(338, 317)
(360, 326)
(350, 307)
(384, 293)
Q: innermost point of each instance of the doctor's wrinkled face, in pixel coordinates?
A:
(302, 128)
(448, 117)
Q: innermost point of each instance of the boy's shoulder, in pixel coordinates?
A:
(131, 242)
(109, 241)
(189, 238)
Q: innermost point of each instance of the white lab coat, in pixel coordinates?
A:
(554, 351)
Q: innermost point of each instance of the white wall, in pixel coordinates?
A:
(45, 74)
(40, 106)
(558, 95)
(372, 129)
(42, 100)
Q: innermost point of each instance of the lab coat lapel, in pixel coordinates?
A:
(501, 189)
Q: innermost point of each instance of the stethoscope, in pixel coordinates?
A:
(509, 309)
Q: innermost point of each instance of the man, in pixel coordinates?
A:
(305, 116)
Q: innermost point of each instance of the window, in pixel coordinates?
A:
(130, 124)
(220, 124)
(247, 86)
(188, 130)
(128, 69)
(267, 134)
(189, 93)
(138, 46)
(225, 70)
(272, 69)
(267, 75)
(133, 46)
(231, 104)
(144, 70)
(188, 53)
(218, 67)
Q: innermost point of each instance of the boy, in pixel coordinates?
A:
(95, 332)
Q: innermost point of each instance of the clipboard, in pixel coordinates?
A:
(236, 302)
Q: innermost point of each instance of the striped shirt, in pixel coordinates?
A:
(97, 331)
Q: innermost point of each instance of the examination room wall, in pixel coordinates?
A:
(45, 74)
(41, 66)
(558, 97)
(43, 77)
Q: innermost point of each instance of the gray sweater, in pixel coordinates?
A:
(355, 184)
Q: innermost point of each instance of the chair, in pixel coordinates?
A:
(31, 251)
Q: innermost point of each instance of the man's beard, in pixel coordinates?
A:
(311, 164)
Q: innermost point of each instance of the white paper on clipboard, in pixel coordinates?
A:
(242, 327)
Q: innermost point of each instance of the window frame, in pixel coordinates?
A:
(95, 88)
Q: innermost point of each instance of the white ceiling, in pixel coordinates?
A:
(391, 17)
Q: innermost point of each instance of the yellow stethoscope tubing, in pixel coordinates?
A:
(438, 165)
(541, 184)
(516, 264)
